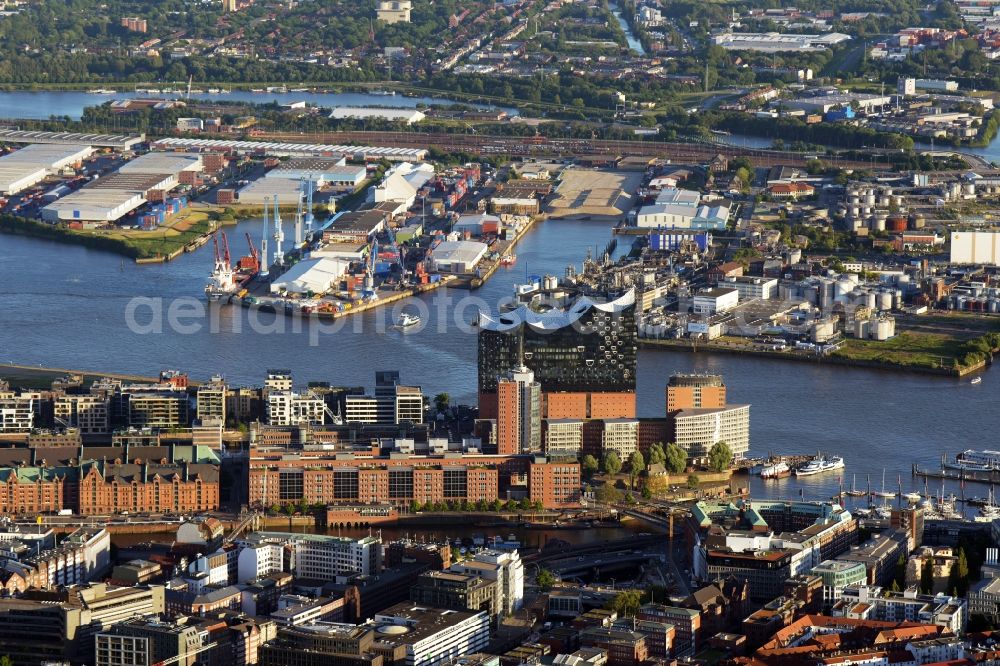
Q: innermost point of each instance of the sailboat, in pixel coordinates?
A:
(883, 492)
(854, 492)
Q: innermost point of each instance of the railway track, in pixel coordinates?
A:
(537, 146)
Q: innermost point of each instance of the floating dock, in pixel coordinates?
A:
(976, 476)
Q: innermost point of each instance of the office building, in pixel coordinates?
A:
(519, 411)
(695, 392)
(457, 591)
(17, 413)
(144, 642)
(503, 567)
(623, 647)
(320, 557)
(156, 409)
(278, 380)
(88, 413)
(394, 11)
(63, 623)
(698, 430)
(838, 574)
(563, 437)
(286, 408)
(620, 436)
(685, 621)
(425, 636)
(210, 400)
(321, 644)
(391, 404)
(583, 357)
(871, 602)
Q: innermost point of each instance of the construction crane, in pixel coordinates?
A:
(253, 251)
(263, 240)
(369, 292)
(397, 251)
(309, 204)
(298, 223)
(279, 235)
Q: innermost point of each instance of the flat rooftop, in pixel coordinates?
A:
(117, 141)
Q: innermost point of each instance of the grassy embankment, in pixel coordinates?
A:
(185, 227)
(954, 341)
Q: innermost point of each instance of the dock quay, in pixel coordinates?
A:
(476, 282)
(977, 476)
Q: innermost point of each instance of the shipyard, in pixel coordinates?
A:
(479, 354)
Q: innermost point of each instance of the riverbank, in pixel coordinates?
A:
(187, 231)
(26, 376)
(850, 358)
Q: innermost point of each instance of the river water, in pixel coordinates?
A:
(633, 41)
(41, 105)
(66, 306)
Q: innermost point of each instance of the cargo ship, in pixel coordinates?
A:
(227, 279)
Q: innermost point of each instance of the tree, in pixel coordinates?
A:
(693, 481)
(608, 494)
(958, 579)
(626, 602)
(719, 457)
(676, 458)
(927, 576)
(611, 464)
(657, 456)
(589, 465)
(545, 579)
(636, 466)
(441, 402)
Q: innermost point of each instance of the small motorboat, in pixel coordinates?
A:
(976, 380)
(407, 321)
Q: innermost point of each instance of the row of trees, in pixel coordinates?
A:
(672, 457)
(482, 505)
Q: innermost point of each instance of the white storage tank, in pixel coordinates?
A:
(883, 300)
(883, 328)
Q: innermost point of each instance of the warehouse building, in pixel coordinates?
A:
(408, 116)
(279, 149)
(163, 163)
(324, 172)
(93, 205)
(458, 256)
(312, 276)
(32, 164)
(263, 190)
(116, 141)
(975, 247)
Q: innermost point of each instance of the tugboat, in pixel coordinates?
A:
(508, 260)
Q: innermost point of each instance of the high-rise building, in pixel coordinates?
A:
(695, 392)
(88, 413)
(60, 626)
(701, 417)
(210, 400)
(142, 642)
(583, 357)
(519, 413)
(278, 380)
(285, 408)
